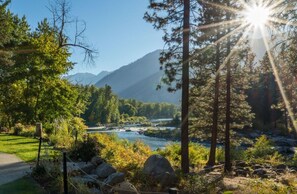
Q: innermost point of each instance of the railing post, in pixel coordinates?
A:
(38, 133)
(39, 150)
(65, 181)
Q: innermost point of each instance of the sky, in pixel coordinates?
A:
(114, 27)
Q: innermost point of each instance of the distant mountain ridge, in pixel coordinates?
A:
(128, 75)
(137, 80)
(86, 78)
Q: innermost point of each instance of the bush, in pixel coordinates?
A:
(125, 156)
(198, 154)
(28, 131)
(64, 132)
(262, 151)
(196, 184)
(18, 128)
(85, 150)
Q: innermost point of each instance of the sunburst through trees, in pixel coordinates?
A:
(227, 26)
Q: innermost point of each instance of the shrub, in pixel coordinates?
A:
(196, 184)
(28, 131)
(198, 154)
(263, 151)
(125, 156)
(64, 132)
(18, 128)
(85, 150)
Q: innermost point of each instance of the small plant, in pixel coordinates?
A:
(18, 128)
(196, 184)
(263, 151)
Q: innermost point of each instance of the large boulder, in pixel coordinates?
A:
(104, 170)
(115, 178)
(75, 168)
(96, 160)
(160, 169)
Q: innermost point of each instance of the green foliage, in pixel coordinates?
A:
(294, 160)
(198, 154)
(85, 150)
(261, 148)
(31, 87)
(28, 131)
(123, 155)
(18, 128)
(102, 106)
(262, 151)
(63, 132)
(196, 184)
(167, 133)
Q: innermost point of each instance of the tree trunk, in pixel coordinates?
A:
(228, 102)
(214, 132)
(185, 90)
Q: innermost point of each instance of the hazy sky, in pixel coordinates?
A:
(115, 27)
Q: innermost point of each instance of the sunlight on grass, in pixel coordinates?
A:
(25, 148)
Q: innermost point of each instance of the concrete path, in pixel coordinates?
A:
(12, 168)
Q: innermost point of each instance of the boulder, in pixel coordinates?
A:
(260, 172)
(241, 164)
(78, 167)
(96, 160)
(115, 178)
(160, 169)
(125, 188)
(104, 170)
(84, 180)
(281, 166)
(244, 172)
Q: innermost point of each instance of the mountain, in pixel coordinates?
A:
(86, 78)
(128, 75)
(139, 80)
(145, 91)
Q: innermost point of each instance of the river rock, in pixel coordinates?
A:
(104, 170)
(240, 163)
(84, 180)
(260, 172)
(79, 167)
(160, 169)
(281, 166)
(125, 188)
(96, 160)
(115, 178)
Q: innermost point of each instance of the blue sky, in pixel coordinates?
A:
(114, 27)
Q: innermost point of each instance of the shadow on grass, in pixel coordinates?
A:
(27, 142)
(25, 185)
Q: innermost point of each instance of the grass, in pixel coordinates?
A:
(23, 147)
(24, 185)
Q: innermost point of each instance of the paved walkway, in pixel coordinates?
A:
(12, 168)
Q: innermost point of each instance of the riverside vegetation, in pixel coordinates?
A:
(129, 158)
(32, 89)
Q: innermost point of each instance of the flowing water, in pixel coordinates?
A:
(153, 142)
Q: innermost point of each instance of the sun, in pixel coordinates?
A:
(257, 15)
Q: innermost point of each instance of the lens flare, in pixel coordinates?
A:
(257, 16)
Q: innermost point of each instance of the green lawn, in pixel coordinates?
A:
(24, 185)
(24, 147)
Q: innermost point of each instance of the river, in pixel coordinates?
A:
(153, 142)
